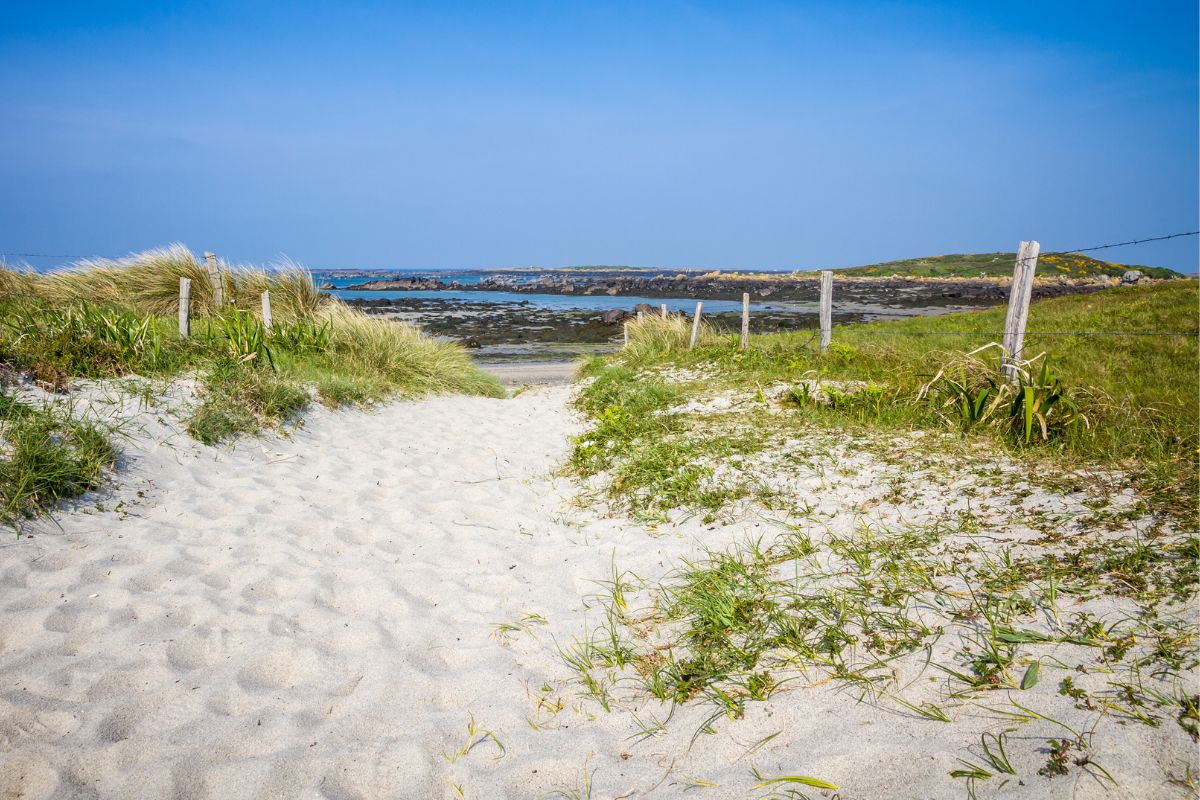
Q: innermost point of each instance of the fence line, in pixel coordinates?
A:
(1017, 315)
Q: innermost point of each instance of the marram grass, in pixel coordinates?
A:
(148, 283)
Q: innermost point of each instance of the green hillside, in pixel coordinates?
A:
(974, 265)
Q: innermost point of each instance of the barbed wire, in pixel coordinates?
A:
(1046, 333)
(1093, 248)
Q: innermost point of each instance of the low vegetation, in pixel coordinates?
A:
(1116, 398)
(111, 319)
(48, 454)
(976, 265)
(1082, 597)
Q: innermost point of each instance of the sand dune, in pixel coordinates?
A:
(315, 616)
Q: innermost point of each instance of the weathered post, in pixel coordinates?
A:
(641, 315)
(185, 307)
(625, 327)
(663, 309)
(696, 326)
(1017, 317)
(266, 308)
(217, 281)
(826, 309)
(745, 319)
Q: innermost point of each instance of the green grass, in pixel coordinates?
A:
(238, 401)
(1125, 401)
(871, 610)
(48, 455)
(114, 319)
(975, 265)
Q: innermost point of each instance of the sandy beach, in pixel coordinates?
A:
(372, 607)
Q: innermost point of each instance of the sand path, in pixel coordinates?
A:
(285, 618)
(315, 616)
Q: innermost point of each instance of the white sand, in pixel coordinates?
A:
(314, 617)
(532, 373)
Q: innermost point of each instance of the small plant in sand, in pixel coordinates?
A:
(476, 736)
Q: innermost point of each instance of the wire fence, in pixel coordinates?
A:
(1048, 333)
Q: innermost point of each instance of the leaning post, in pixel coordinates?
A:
(185, 307)
(215, 278)
(696, 326)
(266, 310)
(1017, 317)
(826, 309)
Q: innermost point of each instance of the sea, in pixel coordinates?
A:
(600, 302)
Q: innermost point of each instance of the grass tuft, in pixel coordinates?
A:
(46, 455)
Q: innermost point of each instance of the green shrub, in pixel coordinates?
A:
(302, 335)
(246, 338)
(1036, 407)
(82, 340)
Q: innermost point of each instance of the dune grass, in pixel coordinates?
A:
(148, 283)
(48, 455)
(110, 319)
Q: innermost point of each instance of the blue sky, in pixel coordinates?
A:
(685, 134)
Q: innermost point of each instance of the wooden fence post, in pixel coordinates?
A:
(696, 326)
(185, 307)
(641, 315)
(663, 309)
(215, 278)
(625, 327)
(1017, 317)
(745, 319)
(266, 306)
(826, 309)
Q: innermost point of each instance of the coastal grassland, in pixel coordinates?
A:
(1013, 567)
(1125, 400)
(102, 320)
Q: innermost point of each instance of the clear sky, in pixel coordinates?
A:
(685, 134)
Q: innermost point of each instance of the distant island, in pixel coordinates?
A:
(980, 276)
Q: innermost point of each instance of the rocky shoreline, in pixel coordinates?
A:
(731, 287)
